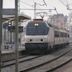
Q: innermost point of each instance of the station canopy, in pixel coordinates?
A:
(6, 19)
(12, 17)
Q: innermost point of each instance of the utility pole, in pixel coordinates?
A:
(34, 10)
(1, 3)
(16, 35)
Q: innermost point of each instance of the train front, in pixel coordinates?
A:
(36, 38)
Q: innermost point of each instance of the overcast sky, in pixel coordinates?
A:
(51, 4)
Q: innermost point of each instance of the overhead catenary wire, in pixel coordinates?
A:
(68, 2)
(63, 2)
(36, 9)
(66, 5)
(39, 9)
(26, 3)
(44, 2)
(22, 5)
(34, 6)
(56, 10)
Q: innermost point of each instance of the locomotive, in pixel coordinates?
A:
(42, 36)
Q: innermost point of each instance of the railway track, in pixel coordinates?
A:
(10, 56)
(52, 65)
(23, 59)
(38, 63)
(49, 63)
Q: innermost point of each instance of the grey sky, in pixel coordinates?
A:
(28, 3)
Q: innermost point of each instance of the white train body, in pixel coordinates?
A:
(42, 36)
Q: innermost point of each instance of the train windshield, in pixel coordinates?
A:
(37, 28)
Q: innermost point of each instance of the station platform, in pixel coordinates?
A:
(12, 50)
(66, 68)
(5, 52)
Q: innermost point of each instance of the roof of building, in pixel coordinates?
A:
(12, 17)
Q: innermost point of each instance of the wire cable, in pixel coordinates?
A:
(26, 3)
(62, 2)
(44, 2)
(67, 5)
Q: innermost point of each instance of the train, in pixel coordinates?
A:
(43, 36)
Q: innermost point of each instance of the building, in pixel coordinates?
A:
(58, 20)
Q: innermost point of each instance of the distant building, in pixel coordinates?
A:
(59, 20)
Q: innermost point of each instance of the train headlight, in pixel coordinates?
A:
(36, 24)
(30, 39)
(41, 39)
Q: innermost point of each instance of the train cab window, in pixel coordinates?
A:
(38, 28)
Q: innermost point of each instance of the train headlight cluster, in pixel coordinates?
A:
(30, 39)
(36, 24)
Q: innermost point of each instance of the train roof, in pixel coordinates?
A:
(36, 21)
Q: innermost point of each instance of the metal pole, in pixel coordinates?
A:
(0, 31)
(16, 35)
(34, 10)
